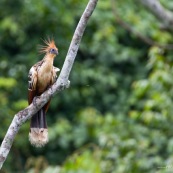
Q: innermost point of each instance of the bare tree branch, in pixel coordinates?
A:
(127, 27)
(60, 84)
(164, 15)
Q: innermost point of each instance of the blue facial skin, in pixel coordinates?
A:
(54, 51)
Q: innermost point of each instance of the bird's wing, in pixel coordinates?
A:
(54, 74)
(32, 83)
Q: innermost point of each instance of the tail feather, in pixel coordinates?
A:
(38, 135)
(39, 120)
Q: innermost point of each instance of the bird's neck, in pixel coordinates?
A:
(49, 58)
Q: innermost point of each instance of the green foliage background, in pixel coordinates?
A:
(117, 115)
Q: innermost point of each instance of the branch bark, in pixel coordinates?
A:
(164, 15)
(62, 83)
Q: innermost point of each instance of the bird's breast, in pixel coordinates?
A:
(44, 77)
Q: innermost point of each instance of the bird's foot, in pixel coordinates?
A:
(35, 101)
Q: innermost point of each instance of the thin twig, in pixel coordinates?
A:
(164, 15)
(60, 84)
(145, 39)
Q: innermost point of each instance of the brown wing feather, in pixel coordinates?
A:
(32, 83)
(31, 95)
(46, 106)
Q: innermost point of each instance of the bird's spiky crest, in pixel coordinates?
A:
(50, 44)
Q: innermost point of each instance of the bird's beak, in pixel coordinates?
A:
(56, 52)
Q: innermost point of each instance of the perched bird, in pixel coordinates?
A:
(41, 76)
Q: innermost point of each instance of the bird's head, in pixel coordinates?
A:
(50, 48)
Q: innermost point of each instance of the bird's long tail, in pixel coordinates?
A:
(38, 134)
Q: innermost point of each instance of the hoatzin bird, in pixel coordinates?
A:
(41, 76)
